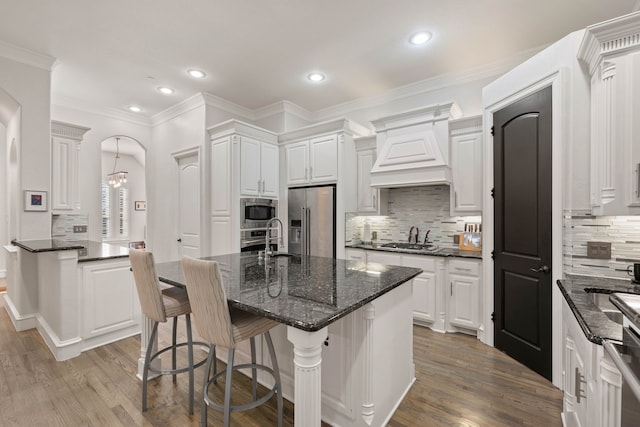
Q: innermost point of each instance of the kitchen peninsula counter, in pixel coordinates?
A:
(78, 294)
(345, 346)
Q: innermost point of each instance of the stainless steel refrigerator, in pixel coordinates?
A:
(312, 221)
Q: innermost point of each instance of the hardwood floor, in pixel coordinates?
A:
(460, 382)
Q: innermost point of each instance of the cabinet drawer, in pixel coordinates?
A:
(466, 268)
(418, 261)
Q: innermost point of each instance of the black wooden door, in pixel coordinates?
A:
(522, 202)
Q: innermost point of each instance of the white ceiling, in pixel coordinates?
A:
(256, 52)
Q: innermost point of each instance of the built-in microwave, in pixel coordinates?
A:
(255, 213)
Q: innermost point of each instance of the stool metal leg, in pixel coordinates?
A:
(254, 371)
(227, 389)
(276, 371)
(173, 350)
(190, 351)
(205, 386)
(147, 361)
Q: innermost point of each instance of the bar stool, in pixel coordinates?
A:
(226, 327)
(158, 305)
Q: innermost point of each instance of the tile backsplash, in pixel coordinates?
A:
(623, 232)
(62, 226)
(424, 207)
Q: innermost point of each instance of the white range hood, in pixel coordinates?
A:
(413, 147)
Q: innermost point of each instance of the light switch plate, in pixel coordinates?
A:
(79, 228)
(599, 250)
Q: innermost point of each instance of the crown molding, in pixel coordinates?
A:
(68, 130)
(610, 37)
(492, 69)
(464, 125)
(89, 107)
(194, 101)
(26, 56)
(283, 106)
(230, 107)
(233, 126)
(341, 124)
(430, 114)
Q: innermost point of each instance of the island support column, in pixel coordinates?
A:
(307, 358)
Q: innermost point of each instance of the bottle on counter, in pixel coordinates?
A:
(366, 235)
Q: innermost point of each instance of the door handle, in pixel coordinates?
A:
(179, 240)
(544, 269)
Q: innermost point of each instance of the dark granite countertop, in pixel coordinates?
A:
(594, 323)
(88, 250)
(442, 252)
(46, 245)
(305, 292)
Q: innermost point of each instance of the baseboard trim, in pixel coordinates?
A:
(61, 350)
(20, 323)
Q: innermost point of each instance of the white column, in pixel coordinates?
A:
(307, 358)
(368, 406)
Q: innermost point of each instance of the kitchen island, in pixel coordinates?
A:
(78, 294)
(351, 318)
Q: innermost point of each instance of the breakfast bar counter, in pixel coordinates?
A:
(352, 318)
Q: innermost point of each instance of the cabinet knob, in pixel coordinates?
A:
(179, 240)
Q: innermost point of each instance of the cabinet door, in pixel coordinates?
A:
(384, 258)
(355, 255)
(463, 301)
(221, 177)
(424, 297)
(250, 178)
(269, 168)
(466, 168)
(297, 163)
(323, 159)
(365, 192)
(64, 171)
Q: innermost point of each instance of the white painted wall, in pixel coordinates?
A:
(90, 173)
(30, 87)
(136, 183)
(4, 219)
(186, 131)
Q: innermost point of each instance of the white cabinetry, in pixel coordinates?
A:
(258, 168)
(370, 200)
(464, 293)
(466, 166)
(65, 163)
(244, 163)
(426, 309)
(312, 161)
(611, 50)
(592, 383)
(355, 255)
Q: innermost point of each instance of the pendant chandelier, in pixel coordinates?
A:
(120, 177)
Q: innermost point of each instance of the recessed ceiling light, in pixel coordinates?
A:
(166, 90)
(196, 74)
(420, 38)
(316, 77)
(135, 108)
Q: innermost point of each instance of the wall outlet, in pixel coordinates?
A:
(79, 228)
(456, 239)
(374, 235)
(599, 250)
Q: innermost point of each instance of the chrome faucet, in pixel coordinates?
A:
(267, 237)
(426, 237)
(417, 233)
(411, 233)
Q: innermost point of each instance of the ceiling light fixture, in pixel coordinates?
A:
(120, 177)
(197, 74)
(166, 90)
(135, 108)
(420, 38)
(316, 77)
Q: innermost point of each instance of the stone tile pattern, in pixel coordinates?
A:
(425, 207)
(62, 226)
(623, 232)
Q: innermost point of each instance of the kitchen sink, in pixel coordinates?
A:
(430, 247)
(601, 300)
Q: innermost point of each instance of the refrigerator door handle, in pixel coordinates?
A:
(308, 231)
(303, 229)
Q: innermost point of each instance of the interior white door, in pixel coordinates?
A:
(189, 206)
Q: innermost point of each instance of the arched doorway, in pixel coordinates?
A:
(123, 204)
